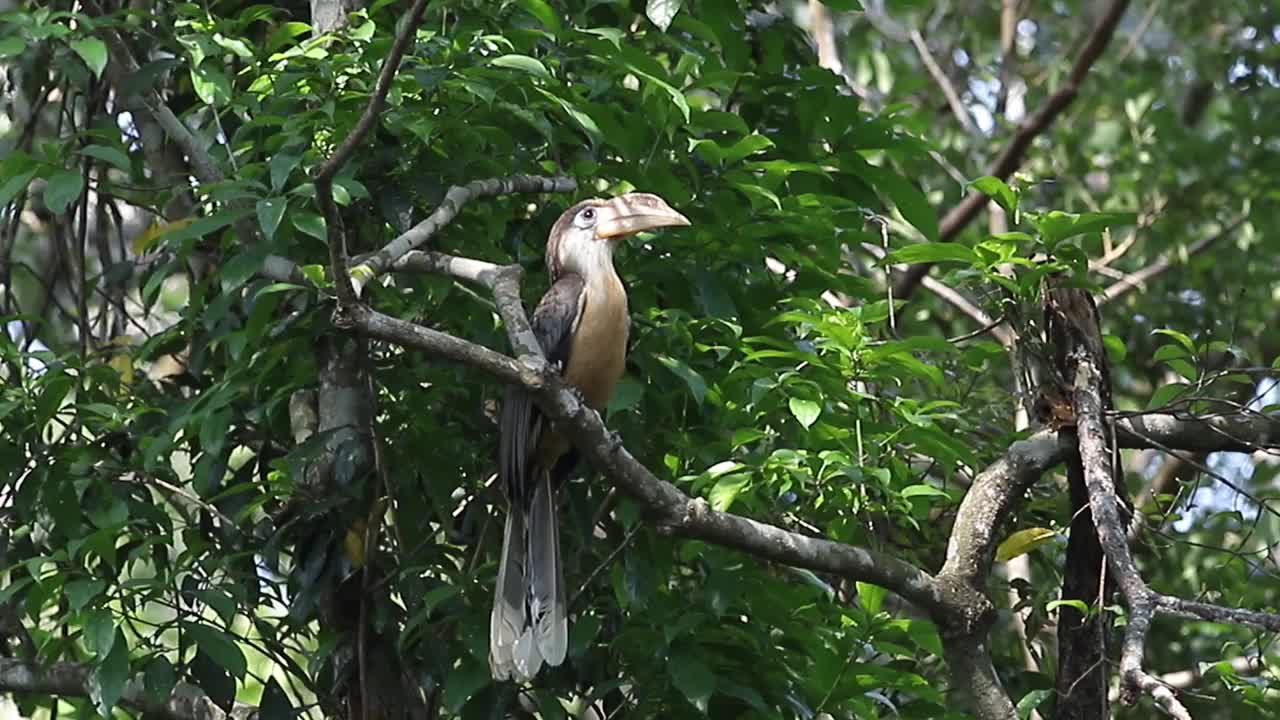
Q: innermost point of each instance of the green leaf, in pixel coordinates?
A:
(804, 411)
(676, 96)
(1169, 352)
(1080, 605)
(662, 12)
(99, 632)
(726, 490)
(275, 703)
(1182, 338)
(692, 678)
(93, 52)
(282, 166)
(871, 597)
(158, 679)
(911, 491)
(523, 63)
(1165, 395)
(1031, 701)
(933, 252)
(463, 682)
(1116, 350)
(237, 271)
(111, 155)
(80, 592)
(62, 188)
(11, 46)
(15, 185)
(584, 120)
(749, 145)
(1183, 368)
(925, 634)
(110, 676)
(546, 14)
(270, 212)
(910, 201)
(220, 648)
(996, 189)
(211, 84)
(310, 223)
(1023, 542)
(625, 396)
(696, 384)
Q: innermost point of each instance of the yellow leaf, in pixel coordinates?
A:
(148, 238)
(1022, 542)
(122, 361)
(354, 543)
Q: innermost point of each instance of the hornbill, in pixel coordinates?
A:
(582, 325)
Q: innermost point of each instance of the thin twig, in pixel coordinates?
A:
(959, 217)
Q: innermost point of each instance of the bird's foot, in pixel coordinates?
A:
(615, 441)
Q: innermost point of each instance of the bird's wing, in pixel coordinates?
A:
(529, 621)
(520, 423)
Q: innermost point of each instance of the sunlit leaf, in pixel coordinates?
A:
(1023, 542)
(662, 12)
(94, 53)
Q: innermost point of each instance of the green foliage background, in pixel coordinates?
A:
(161, 523)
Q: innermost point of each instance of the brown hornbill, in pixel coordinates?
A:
(582, 325)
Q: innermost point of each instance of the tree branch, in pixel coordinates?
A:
(454, 200)
(337, 238)
(958, 109)
(1133, 281)
(668, 506)
(186, 702)
(959, 217)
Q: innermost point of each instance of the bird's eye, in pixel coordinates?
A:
(589, 214)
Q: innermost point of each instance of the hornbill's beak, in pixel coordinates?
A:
(635, 212)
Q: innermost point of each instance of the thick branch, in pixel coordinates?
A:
(1237, 432)
(186, 702)
(959, 217)
(976, 531)
(669, 507)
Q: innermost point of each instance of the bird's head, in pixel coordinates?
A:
(582, 240)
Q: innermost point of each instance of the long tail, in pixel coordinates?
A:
(529, 624)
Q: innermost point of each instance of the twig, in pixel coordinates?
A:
(626, 540)
(958, 217)
(958, 109)
(957, 300)
(337, 239)
(1139, 279)
(392, 254)
(454, 200)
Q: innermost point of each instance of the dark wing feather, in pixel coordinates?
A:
(520, 422)
(529, 623)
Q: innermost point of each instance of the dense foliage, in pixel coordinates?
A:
(163, 517)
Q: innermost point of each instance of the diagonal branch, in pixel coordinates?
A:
(667, 505)
(959, 217)
(454, 200)
(958, 109)
(1139, 279)
(337, 238)
(388, 258)
(335, 162)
